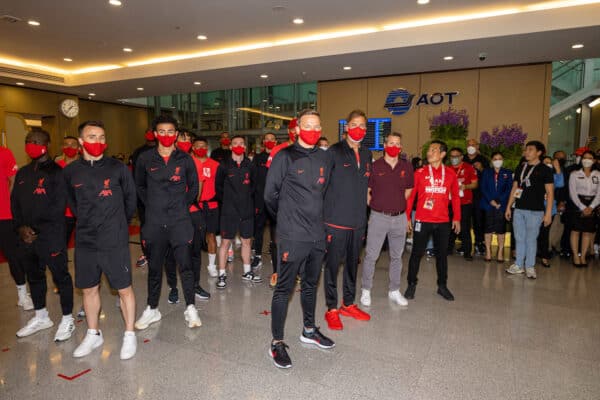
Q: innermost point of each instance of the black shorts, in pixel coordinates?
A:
(91, 263)
(231, 225)
(495, 222)
(210, 219)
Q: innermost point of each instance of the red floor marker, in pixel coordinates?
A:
(146, 340)
(71, 378)
(4, 350)
(265, 312)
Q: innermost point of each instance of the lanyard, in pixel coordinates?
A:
(523, 173)
(431, 180)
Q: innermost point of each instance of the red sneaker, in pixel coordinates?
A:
(333, 320)
(354, 312)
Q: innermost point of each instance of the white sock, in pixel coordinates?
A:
(22, 289)
(129, 333)
(246, 268)
(66, 318)
(221, 272)
(42, 314)
(92, 332)
(212, 258)
(218, 240)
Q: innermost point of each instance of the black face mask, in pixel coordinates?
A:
(562, 162)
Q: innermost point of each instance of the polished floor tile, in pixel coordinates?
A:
(505, 337)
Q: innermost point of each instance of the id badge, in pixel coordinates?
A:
(527, 182)
(518, 193)
(428, 205)
(461, 193)
(417, 226)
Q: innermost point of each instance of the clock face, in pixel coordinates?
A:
(69, 108)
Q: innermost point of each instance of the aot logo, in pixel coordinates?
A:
(400, 101)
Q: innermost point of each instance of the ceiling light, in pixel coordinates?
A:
(264, 76)
(347, 68)
(577, 46)
(67, 59)
(127, 50)
(91, 94)
(202, 37)
(594, 103)
(448, 58)
(114, 2)
(20, 84)
(578, 111)
(33, 23)
(140, 89)
(197, 83)
(422, 2)
(298, 21)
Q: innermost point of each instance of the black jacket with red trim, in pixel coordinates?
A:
(260, 164)
(235, 185)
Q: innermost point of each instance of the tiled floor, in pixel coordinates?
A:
(505, 337)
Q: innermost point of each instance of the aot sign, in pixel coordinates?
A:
(400, 101)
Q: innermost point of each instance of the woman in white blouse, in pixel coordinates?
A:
(584, 191)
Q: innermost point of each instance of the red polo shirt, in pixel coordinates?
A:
(465, 173)
(436, 196)
(388, 185)
(8, 168)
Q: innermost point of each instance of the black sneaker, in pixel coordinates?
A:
(279, 354)
(173, 296)
(430, 253)
(256, 262)
(201, 293)
(460, 251)
(252, 277)
(222, 282)
(317, 338)
(445, 293)
(410, 292)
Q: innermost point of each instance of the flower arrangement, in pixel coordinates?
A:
(508, 139)
(450, 126)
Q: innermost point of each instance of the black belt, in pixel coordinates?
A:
(389, 214)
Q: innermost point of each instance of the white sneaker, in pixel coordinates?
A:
(365, 298)
(25, 301)
(149, 317)
(515, 269)
(65, 329)
(212, 271)
(90, 343)
(34, 325)
(129, 347)
(191, 316)
(397, 298)
(530, 273)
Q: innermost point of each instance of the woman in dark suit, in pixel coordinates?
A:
(495, 186)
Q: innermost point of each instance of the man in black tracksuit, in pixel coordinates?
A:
(38, 204)
(294, 192)
(261, 215)
(167, 184)
(346, 218)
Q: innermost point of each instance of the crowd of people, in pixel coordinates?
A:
(321, 203)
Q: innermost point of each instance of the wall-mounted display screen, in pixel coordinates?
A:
(377, 130)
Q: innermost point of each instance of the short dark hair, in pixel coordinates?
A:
(164, 119)
(41, 132)
(396, 134)
(356, 113)
(494, 154)
(539, 146)
(269, 133)
(85, 124)
(443, 145)
(70, 137)
(558, 151)
(323, 138)
(307, 111)
(200, 139)
(238, 137)
(456, 149)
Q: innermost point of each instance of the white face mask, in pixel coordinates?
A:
(455, 160)
(323, 148)
(587, 163)
(497, 163)
(548, 165)
(471, 150)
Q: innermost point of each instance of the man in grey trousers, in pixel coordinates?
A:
(390, 184)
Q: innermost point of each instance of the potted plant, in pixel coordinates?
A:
(450, 126)
(508, 139)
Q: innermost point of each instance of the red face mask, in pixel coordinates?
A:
(310, 137)
(201, 152)
(357, 133)
(225, 142)
(70, 152)
(184, 146)
(94, 149)
(150, 136)
(392, 151)
(238, 150)
(166, 140)
(35, 151)
(269, 144)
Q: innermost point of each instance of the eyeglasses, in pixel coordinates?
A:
(170, 132)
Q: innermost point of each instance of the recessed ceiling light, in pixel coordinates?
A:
(448, 58)
(140, 89)
(577, 46)
(298, 21)
(197, 83)
(422, 2)
(20, 84)
(91, 94)
(33, 23)
(127, 49)
(264, 76)
(202, 37)
(347, 68)
(594, 103)
(67, 59)
(578, 111)
(114, 2)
